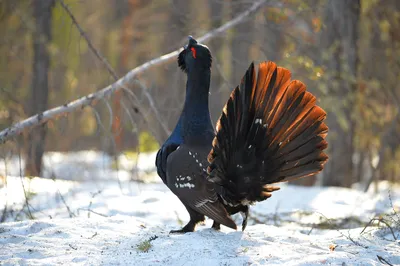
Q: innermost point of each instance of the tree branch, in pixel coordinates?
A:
(115, 76)
(88, 41)
(123, 82)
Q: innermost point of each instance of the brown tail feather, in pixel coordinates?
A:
(270, 131)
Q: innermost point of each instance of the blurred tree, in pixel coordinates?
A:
(339, 47)
(127, 31)
(38, 100)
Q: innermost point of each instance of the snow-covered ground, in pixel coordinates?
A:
(115, 220)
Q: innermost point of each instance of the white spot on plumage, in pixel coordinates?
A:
(186, 185)
(258, 121)
(249, 146)
(188, 178)
(200, 164)
(190, 153)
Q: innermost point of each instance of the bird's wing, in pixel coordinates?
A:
(187, 178)
(170, 145)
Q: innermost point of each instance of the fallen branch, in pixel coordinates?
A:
(123, 82)
(113, 73)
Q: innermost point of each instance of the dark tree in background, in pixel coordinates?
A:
(339, 41)
(38, 100)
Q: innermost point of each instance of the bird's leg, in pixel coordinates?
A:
(245, 214)
(195, 218)
(216, 226)
(244, 211)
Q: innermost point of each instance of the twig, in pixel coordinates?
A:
(23, 186)
(368, 224)
(348, 236)
(382, 260)
(95, 234)
(391, 229)
(391, 204)
(71, 214)
(123, 82)
(380, 220)
(71, 246)
(91, 201)
(92, 211)
(4, 213)
(88, 41)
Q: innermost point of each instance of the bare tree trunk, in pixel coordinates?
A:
(126, 43)
(340, 36)
(38, 101)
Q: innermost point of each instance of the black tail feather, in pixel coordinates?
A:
(270, 131)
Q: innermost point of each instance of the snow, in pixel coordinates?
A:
(113, 217)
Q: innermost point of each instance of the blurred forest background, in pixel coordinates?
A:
(346, 51)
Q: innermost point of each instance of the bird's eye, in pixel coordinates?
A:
(193, 52)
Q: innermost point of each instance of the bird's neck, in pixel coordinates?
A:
(196, 120)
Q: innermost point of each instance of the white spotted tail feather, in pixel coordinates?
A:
(271, 130)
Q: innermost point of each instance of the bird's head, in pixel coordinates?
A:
(194, 55)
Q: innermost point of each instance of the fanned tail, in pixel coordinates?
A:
(271, 130)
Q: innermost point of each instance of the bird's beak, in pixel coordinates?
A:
(191, 41)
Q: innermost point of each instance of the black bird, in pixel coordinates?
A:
(270, 131)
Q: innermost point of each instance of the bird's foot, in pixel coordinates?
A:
(186, 229)
(180, 231)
